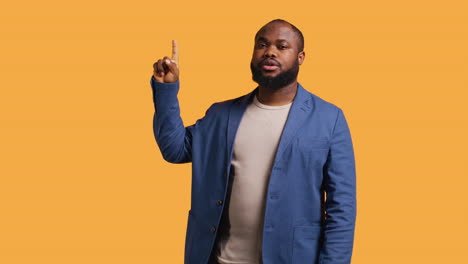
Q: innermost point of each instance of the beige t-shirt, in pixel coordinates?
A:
(255, 145)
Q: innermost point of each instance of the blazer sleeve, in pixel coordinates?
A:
(340, 203)
(174, 140)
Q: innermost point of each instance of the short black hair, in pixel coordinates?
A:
(294, 28)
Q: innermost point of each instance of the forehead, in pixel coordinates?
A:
(277, 31)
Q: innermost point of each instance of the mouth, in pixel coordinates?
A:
(269, 65)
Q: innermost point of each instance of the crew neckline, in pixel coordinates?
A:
(269, 107)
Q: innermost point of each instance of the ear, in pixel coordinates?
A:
(301, 57)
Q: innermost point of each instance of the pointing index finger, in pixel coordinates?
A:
(175, 51)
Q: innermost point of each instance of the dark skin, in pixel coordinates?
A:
(280, 43)
(276, 41)
(166, 70)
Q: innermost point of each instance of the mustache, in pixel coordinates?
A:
(269, 61)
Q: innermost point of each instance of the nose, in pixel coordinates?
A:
(270, 51)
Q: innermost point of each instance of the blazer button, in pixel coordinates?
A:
(219, 202)
(213, 229)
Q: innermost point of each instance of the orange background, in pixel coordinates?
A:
(83, 181)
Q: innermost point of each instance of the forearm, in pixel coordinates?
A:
(172, 137)
(340, 204)
(339, 228)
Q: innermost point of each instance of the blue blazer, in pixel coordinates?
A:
(310, 208)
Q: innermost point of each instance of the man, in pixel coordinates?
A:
(273, 171)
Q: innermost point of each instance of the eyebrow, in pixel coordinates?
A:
(266, 40)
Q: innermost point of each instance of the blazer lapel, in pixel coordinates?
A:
(297, 115)
(235, 115)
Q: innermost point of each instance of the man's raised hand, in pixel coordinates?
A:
(166, 70)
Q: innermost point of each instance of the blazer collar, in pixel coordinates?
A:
(300, 107)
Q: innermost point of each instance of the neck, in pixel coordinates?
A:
(275, 97)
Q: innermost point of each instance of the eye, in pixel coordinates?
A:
(283, 47)
(262, 45)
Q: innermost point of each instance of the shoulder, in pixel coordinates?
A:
(329, 114)
(318, 104)
(223, 107)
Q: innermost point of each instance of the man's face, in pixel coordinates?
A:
(276, 58)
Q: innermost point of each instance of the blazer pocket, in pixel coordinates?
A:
(313, 143)
(312, 151)
(306, 244)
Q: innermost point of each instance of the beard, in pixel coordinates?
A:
(275, 82)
